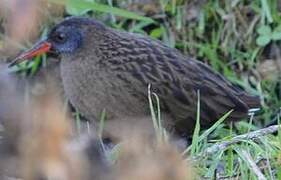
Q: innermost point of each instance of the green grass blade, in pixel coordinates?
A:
(78, 122)
(266, 9)
(214, 126)
(102, 8)
(209, 131)
(159, 121)
(195, 137)
(152, 111)
(102, 122)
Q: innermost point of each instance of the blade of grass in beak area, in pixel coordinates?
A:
(102, 8)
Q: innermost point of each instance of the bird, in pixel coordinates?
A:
(108, 70)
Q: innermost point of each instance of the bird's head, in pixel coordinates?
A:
(65, 38)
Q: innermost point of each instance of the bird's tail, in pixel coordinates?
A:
(253, 102)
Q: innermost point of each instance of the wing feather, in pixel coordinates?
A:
(177, 78)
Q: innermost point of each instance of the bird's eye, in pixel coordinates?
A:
(60, 38)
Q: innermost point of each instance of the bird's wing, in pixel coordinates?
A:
(177, 79)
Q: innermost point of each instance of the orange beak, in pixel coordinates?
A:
(39, 48)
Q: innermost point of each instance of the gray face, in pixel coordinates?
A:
(66, 38)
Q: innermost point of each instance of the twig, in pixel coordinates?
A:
(251, 135)
(253, 165)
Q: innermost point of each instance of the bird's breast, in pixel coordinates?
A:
(92, 90)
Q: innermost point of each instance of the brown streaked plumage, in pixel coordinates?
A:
(106, 69)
